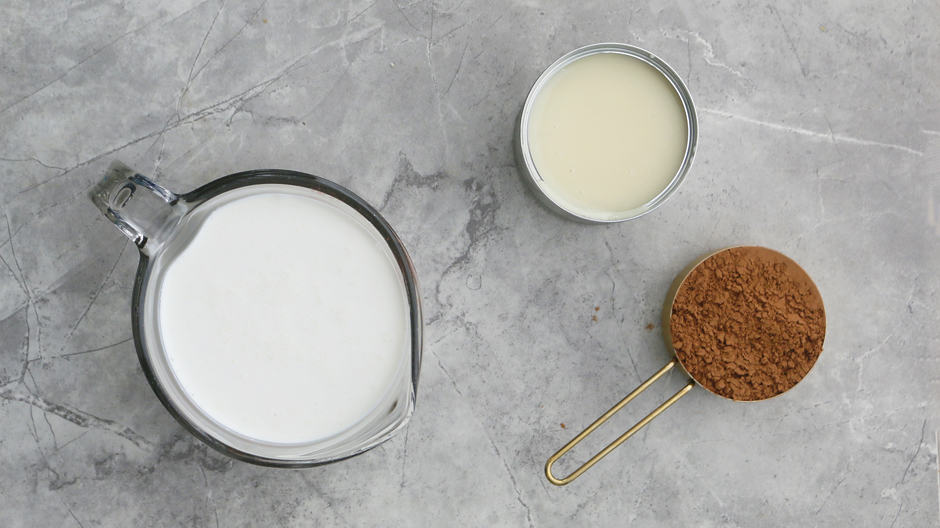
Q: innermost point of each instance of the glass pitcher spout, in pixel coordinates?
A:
(145, 218)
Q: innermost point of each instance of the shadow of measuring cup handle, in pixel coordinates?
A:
(623, 438)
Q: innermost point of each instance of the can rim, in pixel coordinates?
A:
(634, 52)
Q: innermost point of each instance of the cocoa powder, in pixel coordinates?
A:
(747, 323)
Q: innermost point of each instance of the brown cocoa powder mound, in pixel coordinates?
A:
(747, 323)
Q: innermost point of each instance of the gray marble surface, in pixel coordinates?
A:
(820, 136)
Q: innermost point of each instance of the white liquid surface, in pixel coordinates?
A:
(607, 134)
(285, 318)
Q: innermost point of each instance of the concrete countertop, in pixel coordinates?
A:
(820, 137)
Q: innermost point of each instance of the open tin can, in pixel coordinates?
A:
(527, 165)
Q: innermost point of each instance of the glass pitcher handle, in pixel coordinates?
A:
(145, 218)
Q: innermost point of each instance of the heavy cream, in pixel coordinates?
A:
(607, 133)
(285, 317)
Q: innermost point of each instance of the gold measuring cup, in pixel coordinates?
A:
(676, 360)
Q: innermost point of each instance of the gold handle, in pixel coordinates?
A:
(623, 438)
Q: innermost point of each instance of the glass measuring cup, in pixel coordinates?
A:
(161, 223)
(677, 359)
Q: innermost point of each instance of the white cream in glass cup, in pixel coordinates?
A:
(275, 314)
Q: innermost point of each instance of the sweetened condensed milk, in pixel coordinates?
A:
(607, 134)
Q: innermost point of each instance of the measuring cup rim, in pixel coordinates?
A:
(671, 298)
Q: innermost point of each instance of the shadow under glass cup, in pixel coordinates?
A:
(645, 94)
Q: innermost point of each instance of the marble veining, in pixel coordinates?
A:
(819, 137)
